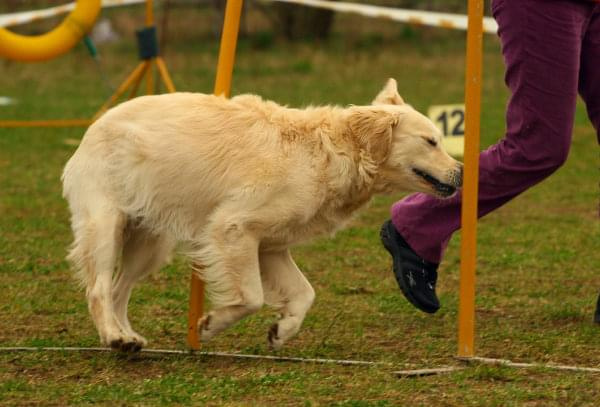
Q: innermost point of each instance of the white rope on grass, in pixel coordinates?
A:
(427, 372)
(418, 17)
(343, 362)
(203, 353)
(506, 362)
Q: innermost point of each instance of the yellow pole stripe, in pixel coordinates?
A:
(415, 20)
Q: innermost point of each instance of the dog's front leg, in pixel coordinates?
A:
(231, 273)
(288, 291)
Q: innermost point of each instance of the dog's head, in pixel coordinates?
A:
(406, 146)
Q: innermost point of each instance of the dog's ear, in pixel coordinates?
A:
(389, 94)
(372, 129)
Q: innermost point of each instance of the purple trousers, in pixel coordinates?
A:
(551, 50)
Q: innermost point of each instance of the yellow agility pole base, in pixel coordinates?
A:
(143, 70)
(132, 82)
(468, 249)
(231, 26)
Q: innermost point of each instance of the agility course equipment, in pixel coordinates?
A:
(54, 43)
(24, 17)
(468, 248)
(415, 17)
(64, 37)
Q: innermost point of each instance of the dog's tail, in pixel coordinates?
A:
(80, 255)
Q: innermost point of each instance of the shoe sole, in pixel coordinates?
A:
(384, 235)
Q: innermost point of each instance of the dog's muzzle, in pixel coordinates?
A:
(440, 187)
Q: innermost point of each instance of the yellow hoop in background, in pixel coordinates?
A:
(53, 43)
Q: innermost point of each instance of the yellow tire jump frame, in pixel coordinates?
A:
(54, 43)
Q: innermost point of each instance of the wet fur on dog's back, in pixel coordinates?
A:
(238, 182)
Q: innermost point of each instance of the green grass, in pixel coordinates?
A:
(538, 258)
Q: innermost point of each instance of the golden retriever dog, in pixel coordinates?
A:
(235, 182)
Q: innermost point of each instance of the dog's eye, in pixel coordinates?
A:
(431, 142)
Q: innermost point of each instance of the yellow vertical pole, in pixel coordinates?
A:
(149, 13)
(195, 310)
(231, 26)
(150, 71)
(468, 254)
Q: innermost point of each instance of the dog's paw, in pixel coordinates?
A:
(206, 333)
(130, 347)
(126, 343)
(139, 339)
(275, 341)
(115, 343)
(133, 343)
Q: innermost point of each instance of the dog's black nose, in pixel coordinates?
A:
(459, 175)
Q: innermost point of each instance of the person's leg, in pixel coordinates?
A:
(589, 73)
(589, 85)
(541, 43)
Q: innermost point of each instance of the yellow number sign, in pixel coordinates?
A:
(450, 119)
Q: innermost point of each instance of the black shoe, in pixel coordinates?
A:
(597, 313)
(415, 276)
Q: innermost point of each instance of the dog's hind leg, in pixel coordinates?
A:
(287, 290)
(231, 275)
(98, 242)
(143, 253)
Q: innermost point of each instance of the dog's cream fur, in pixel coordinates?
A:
(237, 182)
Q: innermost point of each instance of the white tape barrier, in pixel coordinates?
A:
(9, 20)
(431, 18)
